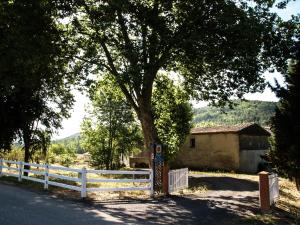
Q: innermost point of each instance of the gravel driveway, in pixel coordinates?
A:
(229, 199)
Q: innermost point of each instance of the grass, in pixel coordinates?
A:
(267, 219)
(221, 173)
(289, 200)
(62, 192)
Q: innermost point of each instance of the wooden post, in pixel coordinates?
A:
(83, 183)
(46, 184)
(166, 179)
(20, 165)
(264, 192)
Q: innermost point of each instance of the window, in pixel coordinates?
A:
(192, 143)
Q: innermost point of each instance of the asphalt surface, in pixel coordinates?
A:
(22, 207)
(228, 200)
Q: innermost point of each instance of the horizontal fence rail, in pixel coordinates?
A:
(43, 172)
(178, 179)
(273, 188)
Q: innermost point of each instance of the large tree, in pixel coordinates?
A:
(220, 48)
(34, 89)
(285, 153)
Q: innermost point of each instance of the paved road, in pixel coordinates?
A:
(22, 207)
(230, 199)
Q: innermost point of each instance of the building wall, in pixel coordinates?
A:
(253, 142)
(250, 159)
(251, 148)
(220, 151)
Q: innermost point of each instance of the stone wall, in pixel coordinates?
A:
(217, 150)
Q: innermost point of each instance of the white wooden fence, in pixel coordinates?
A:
(45, 172)
(273, 188)
(178, 179)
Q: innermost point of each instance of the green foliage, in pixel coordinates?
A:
(35, 84)
(111, 132)
(285, 153)
(61, 154)
(241, 112)
(172, 114)
(16, 154)
(71, 142)
(220, 48)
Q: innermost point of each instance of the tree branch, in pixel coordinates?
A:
(111, 67)
(144, 46)
(128, 45)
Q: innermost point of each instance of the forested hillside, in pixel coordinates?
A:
(72, 141)
(242, 112)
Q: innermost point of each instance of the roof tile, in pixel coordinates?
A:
(220, 129)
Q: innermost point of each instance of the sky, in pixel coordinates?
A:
(72, 125)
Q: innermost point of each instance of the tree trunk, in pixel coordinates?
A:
(147, 121)
(297, 180)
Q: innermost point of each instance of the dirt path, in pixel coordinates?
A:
(236, 196)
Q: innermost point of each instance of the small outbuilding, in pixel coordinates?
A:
(236, 148)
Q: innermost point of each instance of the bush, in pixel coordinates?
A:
(61, 154)
(66, 160)
(16, 154)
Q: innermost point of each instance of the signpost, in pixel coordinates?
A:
(158, 164)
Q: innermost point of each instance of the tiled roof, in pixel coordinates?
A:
(222, 129)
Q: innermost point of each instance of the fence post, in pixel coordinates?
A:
(264, 192)
(169, 179)
(20, 165)
(1, 164)
(151, 183)
(187, 177)
(166, 179)
(83, 183)
(46, 185)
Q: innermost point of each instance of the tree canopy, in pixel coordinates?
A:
(286, 123)
(35, 85)
(219, 48)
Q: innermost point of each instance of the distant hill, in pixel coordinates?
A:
(69, 138)
(242, 112)
(72, 141)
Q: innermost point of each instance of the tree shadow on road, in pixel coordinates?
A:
(176, 210)
(223, 183)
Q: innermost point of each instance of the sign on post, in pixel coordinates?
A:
(158, 163)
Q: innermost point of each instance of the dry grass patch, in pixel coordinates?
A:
(289, 200)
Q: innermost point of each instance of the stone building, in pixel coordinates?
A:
(235, 148)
